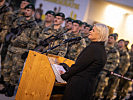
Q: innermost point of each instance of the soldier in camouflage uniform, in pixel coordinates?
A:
(56, 33)
(111, 64)
(15, 16)
(5, 20)
(121, 69)
(49, 19)
(20, 12)
(131, 61)
(124, 85)
(5, 24)
(24, 41)
(75, 47)
(68, 25)
(86, 33)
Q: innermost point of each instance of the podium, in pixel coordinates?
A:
(38, 78)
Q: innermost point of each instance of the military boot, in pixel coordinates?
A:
(10, 91)
(3, 91)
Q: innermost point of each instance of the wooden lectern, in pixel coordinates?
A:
(38, 78)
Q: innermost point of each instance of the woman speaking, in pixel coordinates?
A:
(82, 75)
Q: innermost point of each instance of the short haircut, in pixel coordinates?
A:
(103, 32)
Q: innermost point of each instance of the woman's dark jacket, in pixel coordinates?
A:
(82, 75)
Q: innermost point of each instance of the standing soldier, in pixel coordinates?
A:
(131, 61)
(5, 24)
(85, 35)
(24, 41)
(20, 12)
(56, 33)
(75, 47)
(49, 19)
(124, 85)
(15, 16)
(121, 69)
(111, 64)
(68, 25)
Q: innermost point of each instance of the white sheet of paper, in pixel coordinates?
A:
(56, 69)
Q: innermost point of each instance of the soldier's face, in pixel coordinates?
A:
(69, 25)
(58, 20)
(2, 3)
(121, 44)
(111, 40)
(75, 27)
(28, 12)
(37, 15)
(49, 18)
(23, 4)
(86, 30)
(94, 34)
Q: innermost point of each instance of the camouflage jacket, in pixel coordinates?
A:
(27, 38)
(113, 58)
(124, 62)
(75, 47)
(130, 70)
(46, 33)
(5, 21)
(17, 14)
(131, 57)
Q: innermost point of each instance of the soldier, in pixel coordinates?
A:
(83, 27)
(75, 47)
(24, 40)
(116, 43)
(57, 32)
(85, 35)
(131, 73)
(121, 69)
(49, 19)
(68, 24)
(111, 64)
(124, 85)
(20, 12)
(5, 24)
(15, 15)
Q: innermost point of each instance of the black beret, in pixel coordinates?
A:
(84, 23)
(88, 25)
(121, 40)
(27, 1)
(116, 34)
(61, 14)
(78, 22)
(30, 6)
(50, 12)
(68, 19)
(113, 36)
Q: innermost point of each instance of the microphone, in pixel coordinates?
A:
(72, 39)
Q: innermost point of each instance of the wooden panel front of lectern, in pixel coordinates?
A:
(37, 80)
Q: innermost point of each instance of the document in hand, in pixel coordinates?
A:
(57, 69)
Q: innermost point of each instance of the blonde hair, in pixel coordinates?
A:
(103, 32)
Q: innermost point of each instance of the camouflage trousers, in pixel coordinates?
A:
(102, 83)
(110, 89)
(123, 87)
(13, 65)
